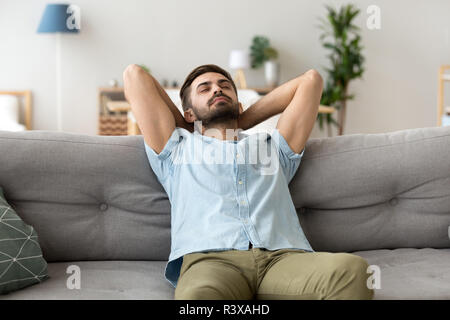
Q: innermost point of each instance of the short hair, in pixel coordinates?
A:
(186, 87)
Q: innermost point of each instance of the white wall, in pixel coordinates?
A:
(399, 89)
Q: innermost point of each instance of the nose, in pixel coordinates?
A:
(217, 89)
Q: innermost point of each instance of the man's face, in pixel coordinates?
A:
(213, 99)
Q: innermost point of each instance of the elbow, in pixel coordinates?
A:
(130, 71)
(313, 78)
(314, 75)
(134, 77)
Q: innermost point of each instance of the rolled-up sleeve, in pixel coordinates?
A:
(289, 160)
(162, 163)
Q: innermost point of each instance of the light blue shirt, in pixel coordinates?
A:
(225, 193)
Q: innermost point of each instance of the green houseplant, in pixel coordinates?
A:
(340, 36)
(261, 53)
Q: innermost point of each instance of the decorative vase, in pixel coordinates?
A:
(272, 72)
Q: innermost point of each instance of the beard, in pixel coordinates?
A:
(220, 112)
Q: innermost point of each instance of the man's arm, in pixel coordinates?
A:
(297, 120)
(299, 101)
(153, 116)
(180, 121)
(270, 105)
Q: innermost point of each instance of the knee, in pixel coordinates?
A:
(353, 270)
(197, 291)
(349, 262)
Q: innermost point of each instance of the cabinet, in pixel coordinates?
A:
(111, 122)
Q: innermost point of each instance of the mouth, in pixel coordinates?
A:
(219, 99)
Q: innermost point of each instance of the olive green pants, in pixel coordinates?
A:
(279, 274)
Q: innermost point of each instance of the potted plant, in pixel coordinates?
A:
(262, 53)
(342, 38)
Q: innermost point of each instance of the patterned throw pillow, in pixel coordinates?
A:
(21, 260)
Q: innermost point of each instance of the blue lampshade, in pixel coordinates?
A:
(55, 18)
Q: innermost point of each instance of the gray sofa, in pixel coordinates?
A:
(96, 203)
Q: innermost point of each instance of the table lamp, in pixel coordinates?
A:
(59, 18)
(239, 60)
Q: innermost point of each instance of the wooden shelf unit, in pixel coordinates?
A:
(443, 77)
(26, 95)
(111, 123)
(113, 108)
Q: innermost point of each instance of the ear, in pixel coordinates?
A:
(189, 116)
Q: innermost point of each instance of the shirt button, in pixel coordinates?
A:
(245, 221)
(242, 202)
(240, 181)
(237, 155)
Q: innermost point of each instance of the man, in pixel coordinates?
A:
(235, 231)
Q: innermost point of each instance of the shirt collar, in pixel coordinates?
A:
(241, 136)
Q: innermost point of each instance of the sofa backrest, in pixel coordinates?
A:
(96, 197)
(376, 191)
(88, 197)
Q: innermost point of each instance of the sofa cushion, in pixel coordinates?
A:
(21, 260)
(104, 280)
(410, 273)
(405, 274)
